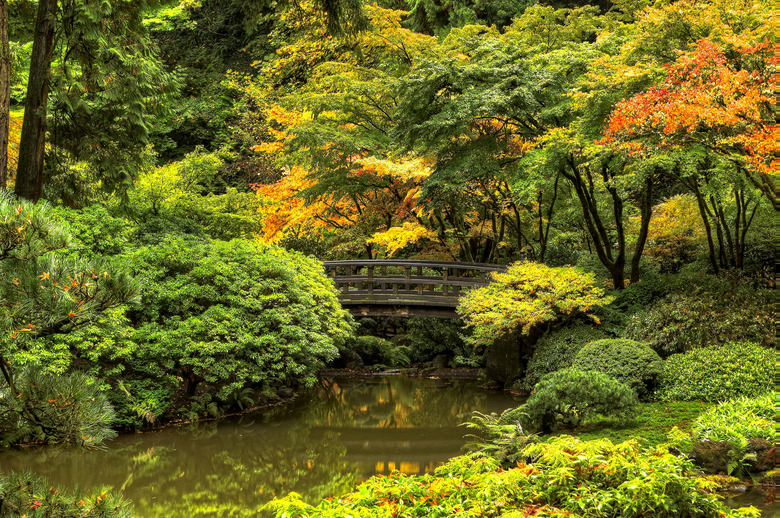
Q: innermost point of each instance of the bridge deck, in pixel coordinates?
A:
(406, 288)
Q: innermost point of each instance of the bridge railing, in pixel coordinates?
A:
(433, 282)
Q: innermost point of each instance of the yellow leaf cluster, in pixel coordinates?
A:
(396, 238)
(284, 211)
(407, 169)
(526, 296)
(15, 131)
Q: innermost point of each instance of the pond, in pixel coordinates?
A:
(322, 444)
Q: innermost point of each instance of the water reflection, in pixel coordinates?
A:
(322, 444)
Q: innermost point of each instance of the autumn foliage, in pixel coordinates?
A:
(528, 295)
(721, 102)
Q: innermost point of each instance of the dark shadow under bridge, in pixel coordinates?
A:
(404, 288)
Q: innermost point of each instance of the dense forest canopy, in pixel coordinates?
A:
(481, 131)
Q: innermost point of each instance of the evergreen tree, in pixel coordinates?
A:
(106, 82)
(42, 293)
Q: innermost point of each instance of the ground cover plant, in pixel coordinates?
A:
(737, 436)
(500, 436)
(564, 477)
(737, 419)
(718, 373)
(649, 428)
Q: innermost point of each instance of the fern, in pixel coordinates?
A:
(499, 436)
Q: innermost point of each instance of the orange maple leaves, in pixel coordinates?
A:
(722, 102)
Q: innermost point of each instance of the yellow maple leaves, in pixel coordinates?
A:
(398, 237)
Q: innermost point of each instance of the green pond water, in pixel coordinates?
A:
(322, 444)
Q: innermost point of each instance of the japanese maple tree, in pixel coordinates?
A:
(711, 98)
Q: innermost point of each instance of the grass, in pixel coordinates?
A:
(649, 427)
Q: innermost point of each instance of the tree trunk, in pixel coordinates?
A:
(5, 93)
(702, 203)
(585, 189)
(646, 212)
(32, 144)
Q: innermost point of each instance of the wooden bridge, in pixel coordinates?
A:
(406, 288)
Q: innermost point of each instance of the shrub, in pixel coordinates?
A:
(232, 315)
(180, 196)
(638, 296)
(570, 396)
(561, 254)
(378, 351)
(139, 401)
(42, 293)
(24, 494)
(737, 420)
(527, 297)
(56, 409)
(718, 373)
(430, 337)
(567, 477)
(706, 311)
(627, 361)
(95, 231)
(557, 351)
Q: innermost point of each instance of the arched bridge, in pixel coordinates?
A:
(406, 288)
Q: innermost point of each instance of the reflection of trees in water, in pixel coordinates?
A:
(237, 474)
(394, 402)
(232, 467)
(239, 483)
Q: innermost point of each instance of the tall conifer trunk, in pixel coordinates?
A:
(5, 93)
(32, 144)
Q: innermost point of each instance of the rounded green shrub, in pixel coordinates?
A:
(556, 351)
(706, 311)
(568, 397)
(718, 373)
(627, 361)
(226, 316)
